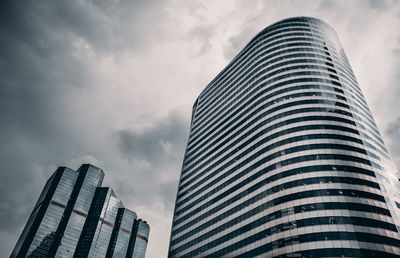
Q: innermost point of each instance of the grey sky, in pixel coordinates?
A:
(112, 83)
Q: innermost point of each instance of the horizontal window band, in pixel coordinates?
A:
(264, 107)
(262, 69)
(275, 177)
(83, 214)
(255, 95)
(310, 207)
(273, 190)
(252, 111)
(306, 22)
(277, 154)
(265, 60)
(224, 152)
(261, 76)
(125, 230)
(339, 252)
(228, 152)
(142, 237)
(198, 121)
(189, 157)
(275, 37)
(246, 54)
(58, 204)
(86, 215)
(270, 157)
(194, 189)
(247, 79)
(192, 148)
(277, 32)
(257, 119)
(350, 72)
(259, 123)
(299, 223)
(189, 171)
(242, 183)
(251, 105)
(238, 61)
(269, 204)
(316, 49)
(79, 213)
(267, 192)
(305, 238)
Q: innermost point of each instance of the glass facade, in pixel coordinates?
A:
(89, 179)
(106, 225)
(120, 242)
(37, 237)
(284, 158)
(75, 217)
(141, 240)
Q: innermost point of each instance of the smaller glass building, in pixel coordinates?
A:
(76, 217)
(143, 230)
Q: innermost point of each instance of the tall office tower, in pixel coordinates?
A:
(75, 217)
(284, 158)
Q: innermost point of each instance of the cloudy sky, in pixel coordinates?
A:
(112, 83)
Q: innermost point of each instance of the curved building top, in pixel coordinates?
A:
(284, 157)
(329, 30)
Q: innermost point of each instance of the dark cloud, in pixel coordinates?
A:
(159, 142)
(36, 69)
(46, 68)
(160, 148)
(90, 81)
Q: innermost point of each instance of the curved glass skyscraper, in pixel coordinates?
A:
(284, 158)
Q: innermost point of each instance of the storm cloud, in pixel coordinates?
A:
(156, 153)
(112, 83)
